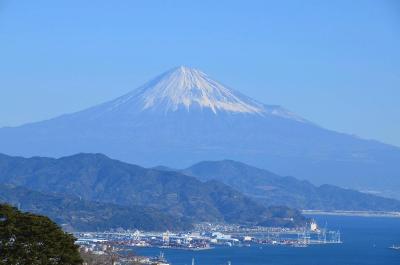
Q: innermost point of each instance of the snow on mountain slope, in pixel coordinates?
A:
(185, 87)
(189, 89)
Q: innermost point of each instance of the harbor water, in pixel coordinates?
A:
(366, 241)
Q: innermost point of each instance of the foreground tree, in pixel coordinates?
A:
(29, 239)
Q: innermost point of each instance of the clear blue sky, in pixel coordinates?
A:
(336, 63)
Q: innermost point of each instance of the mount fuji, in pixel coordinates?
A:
(183, 116)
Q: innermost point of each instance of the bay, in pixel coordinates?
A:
(366, 241)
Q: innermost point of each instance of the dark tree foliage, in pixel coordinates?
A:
(28, 239)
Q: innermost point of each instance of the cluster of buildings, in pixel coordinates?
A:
(208, 235)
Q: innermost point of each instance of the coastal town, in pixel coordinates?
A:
(204, 236)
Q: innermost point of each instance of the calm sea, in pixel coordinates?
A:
(366, 241)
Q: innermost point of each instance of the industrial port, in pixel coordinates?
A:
(205, 236)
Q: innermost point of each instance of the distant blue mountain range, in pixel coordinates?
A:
(183, 116)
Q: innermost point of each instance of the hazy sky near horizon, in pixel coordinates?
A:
(336, 63)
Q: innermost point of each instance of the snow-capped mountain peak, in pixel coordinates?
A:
(187, 88)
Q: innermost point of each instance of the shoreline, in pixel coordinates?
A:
(353, 213)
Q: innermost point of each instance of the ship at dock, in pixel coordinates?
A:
(395, 247)
(159, 260)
